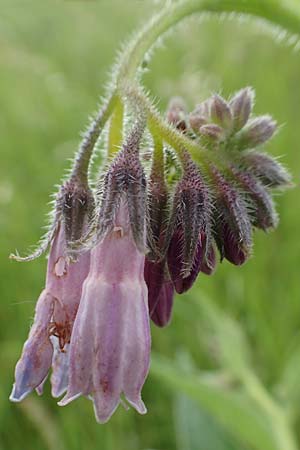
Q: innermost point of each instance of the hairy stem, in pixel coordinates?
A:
(278, 12)
(167, 132)
(282, 13)
(85, 151)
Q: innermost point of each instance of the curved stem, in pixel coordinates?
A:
(167, 132)
(280, 13)
(85, 151)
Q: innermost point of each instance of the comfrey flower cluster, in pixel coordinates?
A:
(118, 255)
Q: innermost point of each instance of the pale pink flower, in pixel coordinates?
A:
(54, 317)
(110, 343)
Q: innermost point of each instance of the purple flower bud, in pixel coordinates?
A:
(209, 262)
(158, 199)
(196, 121)
(232, 229)
(269, 171)
(203, 109)
(110, 344)
(212, 132)
(189, 224)
(76, 202)
(161, 315)
(232, 248)
(264, 215)
(181, 281)
(160, 292)
(220, 112)
(257, 132)
(125, 177)
(154, 278)
(176, 113)
(241, 106)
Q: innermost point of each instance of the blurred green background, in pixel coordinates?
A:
(234, 340)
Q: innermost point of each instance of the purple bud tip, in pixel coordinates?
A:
(196, 121)
(269, 171)
(234, 251)
(125, 177)
(263, 214)
(75, 206)
(203, 109)
(241, 106)
(212, 131)
(162, 313)
(154, 277)
(220, 112)
(189, 224)
(182, 282)
(232, 228)
(257, 132)
(209, 263)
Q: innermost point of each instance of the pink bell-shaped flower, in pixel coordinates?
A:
(110, 344)
(55, 313)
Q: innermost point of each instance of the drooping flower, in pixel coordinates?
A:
(58, 303)
(110, 344)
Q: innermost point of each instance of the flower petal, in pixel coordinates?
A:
(34, 364)
(60, 369)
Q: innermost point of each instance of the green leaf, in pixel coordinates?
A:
(197, 430)
(233, 410)
(232, 346)
(288, 386)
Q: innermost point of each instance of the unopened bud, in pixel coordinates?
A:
(231, 247)
(196, 121)
(189, 229)
(257, 132)
(269, 171)
(241, 106)
(154, 278)
(209, 262)
(212, 132)
(220, 112)
(157, 215)
(232, 228)
(203, 109)
(125, 178)
(161, 315)
(175, 262)
(264, 215)
(77, 205)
